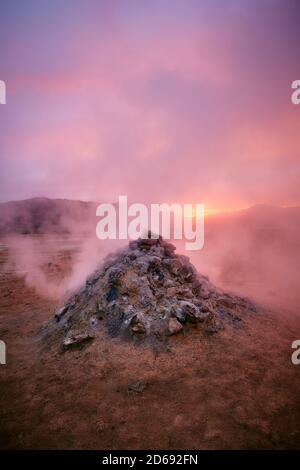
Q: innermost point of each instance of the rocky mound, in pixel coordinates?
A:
(146, 292)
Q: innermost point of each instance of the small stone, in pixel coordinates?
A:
(76, 339)
(178, 313)
(196, 287)
(191, 311)
(93, 321)
(112, 294)
(115, 276)
(147, 242)
(186, 272)
(226, 302)
(204, 293)
(173, 265)
(171, 292)
(133, 245)
(169, 249)
(137, 387)
(138, 325)
(170, 283)
(58, 316)
(174, 326)
(213, 325)
(100, 426)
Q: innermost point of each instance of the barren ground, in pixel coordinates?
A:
(234, 390)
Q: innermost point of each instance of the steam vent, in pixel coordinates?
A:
(146, 293)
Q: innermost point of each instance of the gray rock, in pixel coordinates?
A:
(76, 339)
(171, 292)
(191, 311)
(138, 325)
(174, 326)
(137, 387)
(178, 312)
(61, 312)
(149, 291)
(115, 276)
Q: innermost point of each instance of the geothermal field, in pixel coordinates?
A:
(135, 346)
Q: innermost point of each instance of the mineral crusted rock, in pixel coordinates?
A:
(146, 291)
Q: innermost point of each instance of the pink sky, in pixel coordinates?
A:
(164, 101)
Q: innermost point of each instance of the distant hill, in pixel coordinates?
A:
(43, 215)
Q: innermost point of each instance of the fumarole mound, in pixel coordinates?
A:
(146, 292)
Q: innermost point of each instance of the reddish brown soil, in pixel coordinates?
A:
(235, 390)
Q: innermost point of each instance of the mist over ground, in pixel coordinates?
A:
(254, 252)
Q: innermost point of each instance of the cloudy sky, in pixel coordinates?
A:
(164, 101)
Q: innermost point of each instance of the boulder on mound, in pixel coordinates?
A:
(145, 292)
